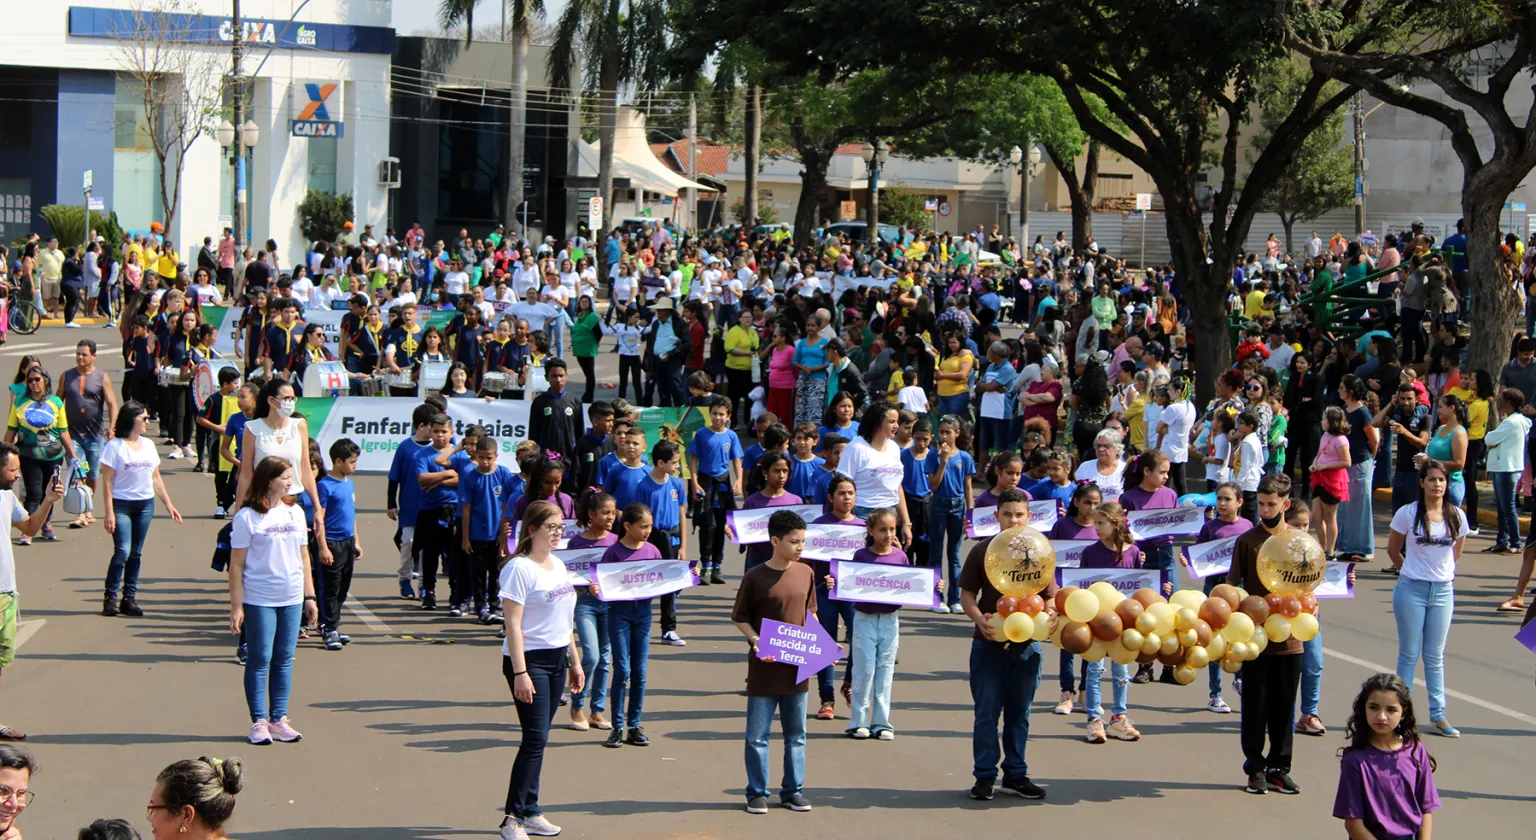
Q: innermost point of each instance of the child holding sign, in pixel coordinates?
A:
(1004, 472)
(774, 468)
(1146, 479)
(949, 474)
(597, 512)
(714, 461)
(841, 495)
(629, 631)
(662, 492)
(1114, 550)
(1226, 523)
(779, 589)
(876, 637)
(1076, 525)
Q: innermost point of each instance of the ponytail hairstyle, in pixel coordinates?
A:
(592, 500)
(1114, 514)
(535, 517)
(1334, 421)
(1447, 510)
(633, 513)
(962, 431)
(1136, 468)
(1456, 404)
(999, 461)
(1080, 495)
(208, 785)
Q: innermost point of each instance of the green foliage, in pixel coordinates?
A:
(66, 222)
(767, 214)
(1321, 176)
(902, 205)
(322, 215)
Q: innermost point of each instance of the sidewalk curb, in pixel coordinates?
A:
(1485, 516)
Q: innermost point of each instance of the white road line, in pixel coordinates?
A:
(367, 616)
(31, 345)
(27, 629)
(1465, 698)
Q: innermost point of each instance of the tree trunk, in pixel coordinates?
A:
(1079, 193)
(754, 151)
(1288, 223)
(607, 129)
(813, 186)
(1203, 286)
(1495, 306)
(517, 131)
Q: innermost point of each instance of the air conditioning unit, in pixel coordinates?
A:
(389, 173)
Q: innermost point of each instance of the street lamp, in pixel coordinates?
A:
(248, 136)
(1015, 155)
(1028, 175)
(1360, 162)
(874, 155)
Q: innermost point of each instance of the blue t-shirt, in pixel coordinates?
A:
(952, 482)
(402, 470)
(715, 451)
(811, 355)
(848, 433)
(486, 494)
(624, 484)
(309, 510)
(665, 499)
(749, 458)
(439, 496)
(1047, 489)
(338, 496)
(915, 472)
(803, 476)
(822, 481)
(235, 428)
(611, 462)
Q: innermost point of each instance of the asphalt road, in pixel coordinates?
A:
(413, 738)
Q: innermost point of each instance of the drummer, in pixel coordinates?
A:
(313, 350)
(403, 346)
(466, 338)
(283, 338)
(501, 357)
(351, 334)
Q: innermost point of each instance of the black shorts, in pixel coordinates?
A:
(1324, 496)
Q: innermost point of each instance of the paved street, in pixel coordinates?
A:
(413, 738)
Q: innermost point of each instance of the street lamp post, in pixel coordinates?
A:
(1015, 155)
(874, 155)
(243, 140)
(1029, 175)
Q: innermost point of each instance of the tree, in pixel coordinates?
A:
(1322, 175)
(902, 205)
(524, 14)
(175, 81)
(765, 214)
(1471, 52)
(323, 215)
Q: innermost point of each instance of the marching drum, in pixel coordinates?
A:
(326, 379)
(434, 376)
(171, 376)
(494, 382)
(400, 384)
(372, 386)
(205, 380)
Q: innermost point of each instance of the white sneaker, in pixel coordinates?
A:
(957, 609)
(539, 826)
(175, 454)
(671, 638)
(1219, 706)
(1475, 532)
(941, 610)
(190, 452)
(512, 830)
(885, 735)
(220, 513)
(860, 733)
(71, 326)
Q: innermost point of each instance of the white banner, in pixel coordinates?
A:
(633, 580)
(1210, 558)
(881, 583)
(751, 526)
(832, 542)
(580, 562)
(1069, 553)
(570, 528)
(982, 522)
(1165, 522)
(1125, 580)
(1335, 582)
(378, 424)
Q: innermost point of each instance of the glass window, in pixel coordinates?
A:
(130, 132)
(322, 164)
(469, 162)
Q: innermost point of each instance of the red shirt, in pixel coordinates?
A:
(698, 336)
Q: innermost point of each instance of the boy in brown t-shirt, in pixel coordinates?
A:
(781, 589)
(1004, 675)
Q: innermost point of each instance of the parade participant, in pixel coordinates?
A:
(714, 462)
(1003, 676)
(915, 469)
(12, 511)
(950, 471)
(1424, 599)
(831, 457)
(1330, 477)
(1226, 523)
(662, 492)
(437, 519)
(774, 468)
(337, 497)
(1077, 524)
(1357, 523)
(841, 498)
(311, 351)
(622, 475)
(222, 408)
(876, 637)
(545, 487)
(1004, 472)
(596, 513)
(803, 463)
(90, 405)
(629, 629)
(1114, 550)
(270, 590)
(779, 588)
(1145, 480)
(194, 799)
(538, 656)
(403, 495)
(597, 443)
(838, 418)
(484, 488)
(1269, 682)
(556, 421)
(130, 483)
(1386, 774)
(1247, 461)
(873, 461)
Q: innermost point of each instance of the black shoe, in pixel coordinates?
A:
(637, 737)
(109, 605)
(1257, 784)
(795, 802)
(982, 790)
(714, 576)
(130, 607)
(1024, 787)
(240, 653)
(757, 805)
(1167, 676)
(616, 740)
(1143, 675)
(1281, 782)
(428, 601)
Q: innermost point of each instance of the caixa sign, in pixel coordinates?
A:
(314, 118)
(317, 128)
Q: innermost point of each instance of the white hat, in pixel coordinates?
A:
(664, 303)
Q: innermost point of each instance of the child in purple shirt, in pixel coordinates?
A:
(1005, 471)
(1386, 775)
(1077, 524)
(1146, 479)
(774, 468)
(597, 512)
(840, 498)
(1114, 550)
(629, 631)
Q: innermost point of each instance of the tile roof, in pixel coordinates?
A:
(714, 158)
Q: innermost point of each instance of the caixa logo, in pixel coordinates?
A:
(254, 31)
(317, 128)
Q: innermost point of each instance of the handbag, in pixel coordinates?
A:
(77, 494)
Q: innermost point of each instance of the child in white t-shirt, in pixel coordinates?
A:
(1248, 462)
(911, 396)
(1218, 449)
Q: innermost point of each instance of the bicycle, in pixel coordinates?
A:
(24, 316)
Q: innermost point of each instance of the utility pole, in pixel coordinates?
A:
(239, 98)
(693, 162)
(1359, 165)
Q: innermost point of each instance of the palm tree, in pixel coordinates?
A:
(523, 14)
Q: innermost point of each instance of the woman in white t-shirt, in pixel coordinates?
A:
(1424, 546)
(1107, 471)
(625, 285)
(270, 592)
(538, 656)
(873, 461)
(130, 483)
(1172, 429)
(302, 286)
(275, 431)
(586, 283)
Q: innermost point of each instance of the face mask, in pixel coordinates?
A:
(285, 407)
(1272, 522)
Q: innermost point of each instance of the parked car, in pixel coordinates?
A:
(859, 231)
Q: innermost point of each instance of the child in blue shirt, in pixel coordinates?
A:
(831, 455)
(949, 474)
(404, 494)
(752, 453)
(915, 468)
(662, 492)
(1057, 483)
(714, 461)
(338, 498)
(804, 465)
(623, 482)
(483, 491)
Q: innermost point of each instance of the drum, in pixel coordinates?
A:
(495, 382)
(401, 380)
(205, 380)
(372, 386)
(326, 379)
(434, 375)
(171, 376)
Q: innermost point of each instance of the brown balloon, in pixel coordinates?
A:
(1226, 592)
(1032, 605)
(1309, 603)
(1215, 612)
(1147, 597)
(1172, 659)
(1061, 598)
(1274, 602)
(1076, 638)
(1144, 658)
(1256, 608)
(1106, 626)
(1290, 606)
(1007, 605)
(1128, 610)
(1203, 632)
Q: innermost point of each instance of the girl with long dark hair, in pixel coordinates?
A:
(130, 483)
(1387, 776)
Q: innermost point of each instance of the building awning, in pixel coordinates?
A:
(633, 159)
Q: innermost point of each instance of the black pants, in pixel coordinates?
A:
(1269, 696)
(629, 369)
(917, 512)
(739, 383)
(709, 515)
(177, 417)
(436, 539)
(547, 670)
(663, 542)
(668, 378)
(588, 370)
(1177, 478)
(227, 280)
(224, 486)
(1250, 508)
(1477, 450)
(333, 582)
(35, 475)
(73, 295)
(202, 437)
(140, 387)
(484, 564)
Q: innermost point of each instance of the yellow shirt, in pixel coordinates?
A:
(1477, 412)
(1134, 414)
(953, 364)
(894, 389)
(167, 265)
(1253, 307)
(736, 337)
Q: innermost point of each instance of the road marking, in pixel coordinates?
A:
(31, 345)
(27, 629)
(1465, 698)
(367, 616)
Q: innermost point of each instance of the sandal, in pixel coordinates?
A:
(9, 734)
(1511, 606)
(1304, 726)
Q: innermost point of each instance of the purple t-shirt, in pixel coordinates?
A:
(1101, 556)
(989, 499)
(619, 552)
(560, 500)
(759, 552)
(605, 540)
(1216, 529)
(1066, 528)
(897, 557)
(1135, 498)
(1390, 791)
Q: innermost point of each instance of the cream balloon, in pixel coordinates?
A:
(1082, 606)
(1304, 627)
(1018, 627)
(1107, 594)
(1277, 628)
(1217, 648)
(1198, 657)
(1151, 643)
(1095, 651)
(1132, 639)
(1042, 628)
(1163, 613)
(1122, 655)
(996, 621)
(1188, 598)
(1239, 628)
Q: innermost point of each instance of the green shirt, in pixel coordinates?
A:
(1277, 427)
(584, 335)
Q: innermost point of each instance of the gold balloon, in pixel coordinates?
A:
(1188, 638)
(1146, 623)
(1291, 563)
(1217, 648)
(1132, 639)
(1122, 655)
(1018, 627)
(1231, 663)
(1151, 643)
(1185, 619)
(1184, 674)
(1304, 627)
(1238, 651)
(1277, 628)
(1198, 657)
(1020, 562)
(1170, 644)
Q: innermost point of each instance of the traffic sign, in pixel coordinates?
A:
(1143, 201)
(930, 205)
(88, 175)
(944, 208)
(1519, 207)
(595, 213)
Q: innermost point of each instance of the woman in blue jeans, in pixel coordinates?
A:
(130, 476)
(1357, 526)
(1426, 542)
(270, 591)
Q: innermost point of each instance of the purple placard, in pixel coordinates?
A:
(635, 580)
(1527, 636)
(808, 648)
(751, 526)
(885, 583)
(1335, 582)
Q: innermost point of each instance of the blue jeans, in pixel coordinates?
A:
(791, 709)
(876, 637)
(946, 518)
(1405, 489)
(1504, 484)
(1093, 690)
(1423, 611)
(1311, 673)
(271, 633)
(1357, 529)
(132, 518)
(1456, 491)
(958, 405)
(828, 612)
(1069, 682)
(90, 449)
(629, 632)
(1003, 682)
(1213, 671)
(596, 651)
